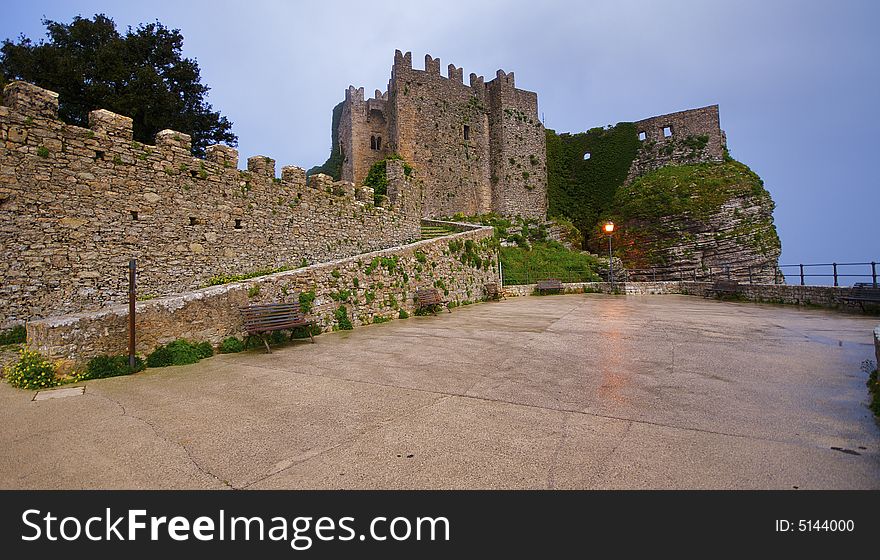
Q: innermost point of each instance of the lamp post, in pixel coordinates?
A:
(609, 231)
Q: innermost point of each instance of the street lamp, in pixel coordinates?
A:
(609, 231)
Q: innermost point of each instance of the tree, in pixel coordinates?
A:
(141, 74)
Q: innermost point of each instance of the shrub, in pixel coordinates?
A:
(305, 301)
(303, 332)
(204, 350)
(178, 353)
(231, 345)
(403, 314)
(103, 366)
(31, 371)
(15, 335)
(343, 323)
(380, 319)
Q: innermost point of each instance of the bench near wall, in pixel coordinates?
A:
(212, 314)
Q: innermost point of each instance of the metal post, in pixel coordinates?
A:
(834, 266)
(610, 264)
(874, 272)
(132, 295)
(802, 274)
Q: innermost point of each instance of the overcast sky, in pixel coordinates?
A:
(798, 83)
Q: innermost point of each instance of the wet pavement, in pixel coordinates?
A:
(575, 391)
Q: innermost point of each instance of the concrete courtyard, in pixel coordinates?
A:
(577, 391)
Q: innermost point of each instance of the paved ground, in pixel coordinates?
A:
(580, 391)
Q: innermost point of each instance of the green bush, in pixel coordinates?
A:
(305, 301)
(31, 371)
(343, 323)
(178, 353)
(231, 345)
(15, 335)
(403, 314)
(204, 350)
(303, 332)
(103, 366)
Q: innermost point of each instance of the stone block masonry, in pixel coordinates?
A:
(368, 286)
(77, 203)
(478, 147)
(685, 137)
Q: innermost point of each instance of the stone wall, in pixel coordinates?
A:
(696, 137)
(77, 203)
(818, 296)
(477, 147)
(377, 284)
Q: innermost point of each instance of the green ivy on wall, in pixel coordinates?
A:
(583, 189)
(377, 176)
(333, 165)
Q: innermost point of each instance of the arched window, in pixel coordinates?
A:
(378, 142)
(372, 142)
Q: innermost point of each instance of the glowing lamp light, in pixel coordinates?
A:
(609, 227)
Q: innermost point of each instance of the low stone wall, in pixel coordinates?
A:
(630, 288)
(820, 296)
(370, 285)
(877, 345)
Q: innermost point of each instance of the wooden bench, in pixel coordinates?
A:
(429, 298)
(259, 320)
(862, 293)
(724, 287)
(550, 285)
(493, 292)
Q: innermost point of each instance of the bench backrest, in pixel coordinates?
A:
(865, 290)
(726, 285)
(428, 296)
(551, 284)
(271, 316)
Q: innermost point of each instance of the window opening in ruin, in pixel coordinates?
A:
(378, 142)
(193, 173)
(467, 132)
(372, 142)
(134, 215)
(99, 155)
(237, 224)
(667, 131)
(193, 221)
(587, 156)
(643, 136)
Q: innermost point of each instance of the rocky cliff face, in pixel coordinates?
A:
(696, 220)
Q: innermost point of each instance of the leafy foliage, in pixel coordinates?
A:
(103, 366)
(343, 323)
(140, 73)
(178, 353)
(582, 190)
(333, 165)
(547, 260)
(231, 345)
(15, 335)
(31, 371)
(377, 176)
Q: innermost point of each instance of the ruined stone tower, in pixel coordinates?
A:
(477, 148)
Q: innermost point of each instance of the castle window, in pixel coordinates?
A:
(193, 221)
(134, 215)
(667, 131)
(237, 224)
(643, 136)
(372, 142)
(586, 156)
(467, 132)
(378, 142)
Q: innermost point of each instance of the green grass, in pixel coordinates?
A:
(547, 260)
(431, 232)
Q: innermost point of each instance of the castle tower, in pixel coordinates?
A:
(476, 147)
(363, 133)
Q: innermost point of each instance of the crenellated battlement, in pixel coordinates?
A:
(479, 147)
(78, 203)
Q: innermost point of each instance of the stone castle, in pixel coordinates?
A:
(477, 147)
